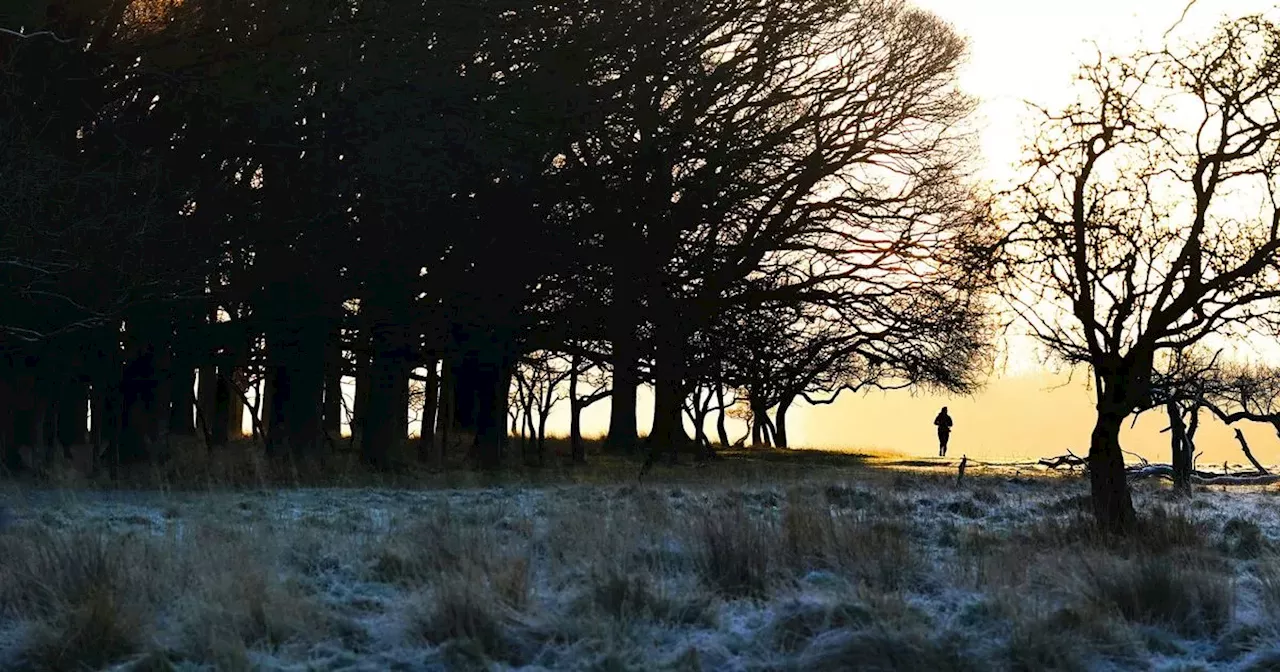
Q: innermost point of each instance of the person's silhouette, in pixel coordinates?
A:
(943, 422)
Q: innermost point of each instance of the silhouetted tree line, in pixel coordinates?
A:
(722, 199)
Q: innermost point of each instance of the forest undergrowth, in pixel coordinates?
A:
(761, 562)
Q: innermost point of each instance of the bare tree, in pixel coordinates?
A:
(583, 372)
(540, 379)
(1149, 221)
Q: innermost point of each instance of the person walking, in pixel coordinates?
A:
(943, 423)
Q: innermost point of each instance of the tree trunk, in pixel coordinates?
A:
(138, 398)
(466, 394)
(577, 449)
(721, 430)
(527, 433)
(238, 408)
(444, 417)
(207, 376)
(223, 398)
(360, 402)
(623, 433)
(542, 432)
(162, 405)
(781, 421)
(430, 400)
(493, 384)
(1112, 504)
(331, 416)
(1190, 439)
(668, 433)
(206, 398)
(73, 414)
(1178, 443)
(760, 435)
(701, 409)
(266, 406)
(296, 351)
(182, 416)
(386, 423)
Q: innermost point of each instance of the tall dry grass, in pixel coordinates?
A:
(885, 573)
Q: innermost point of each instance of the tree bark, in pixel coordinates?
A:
(206, 398)
(162, 405)
(430, 401)
(466, 394)
(181, 415)
(780, 422)
(444, 417)
(543, 412)
(577, 449)
(701, 410)
(1112, 504)
(386, 423)
(721, 430)
(493, 384)
(1178, 445)
(668, 435)
(266, 406)
(623, 432)
(296, 378)
(238, 408)
(360, 402)
(138, 398)
(223, 398)
(331, 416)
(761, 436)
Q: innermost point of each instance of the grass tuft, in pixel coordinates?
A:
(477, 624)
(1174, 593)
(735, 551)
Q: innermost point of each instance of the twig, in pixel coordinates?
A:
(42, 33)
(1181, 18)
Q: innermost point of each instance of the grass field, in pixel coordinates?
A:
(761, 561)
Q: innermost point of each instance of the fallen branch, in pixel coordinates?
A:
(1068, 460)
(1202, 478)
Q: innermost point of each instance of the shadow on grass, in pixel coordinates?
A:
(242, 465)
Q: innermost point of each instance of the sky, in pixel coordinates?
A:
(1020, 50)
(1028, 50)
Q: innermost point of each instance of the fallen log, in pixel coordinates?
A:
(1201, 477)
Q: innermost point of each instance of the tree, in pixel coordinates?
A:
(540, 379)
(813, 141)
(780, 353)
(1148, 222)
